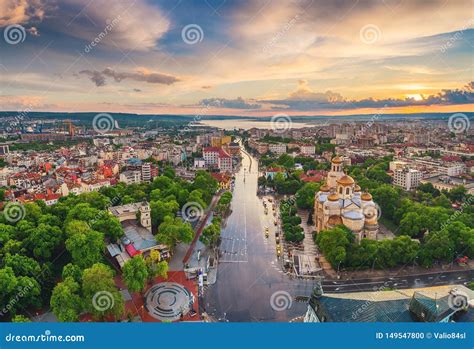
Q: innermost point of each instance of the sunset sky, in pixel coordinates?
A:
(298, 57)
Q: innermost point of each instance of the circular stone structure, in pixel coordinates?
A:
(167, 301)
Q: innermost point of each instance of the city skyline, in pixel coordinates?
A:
(240, 58)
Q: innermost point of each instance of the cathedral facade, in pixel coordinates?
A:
(340, 201)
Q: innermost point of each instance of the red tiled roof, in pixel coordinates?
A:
(220, 177)
(316, 178)
(211, 149)
(451, 158)
(223, 153)
(131, 250)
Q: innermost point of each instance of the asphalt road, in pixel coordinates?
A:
(248, 271)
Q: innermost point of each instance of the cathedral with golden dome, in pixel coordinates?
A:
(340, 201)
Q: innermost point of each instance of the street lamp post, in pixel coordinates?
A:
(373, 264)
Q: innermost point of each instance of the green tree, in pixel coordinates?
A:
(458, 193)
(86, 248)
(388, 199)
(135, 273)
(20, 318)
(8, 283)
(101, 296)
(334, 244)
(66, 302)
(73, 271)
(305, 195)
(437, 247)
(155, 266)
(210, 234)
(44, 240)
(23, 265)
(108, 225)
(173, 230)
(161, 209)
(411, 224)
(442, 201)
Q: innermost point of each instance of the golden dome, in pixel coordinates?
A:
(337, 160)
(324, 188)
(345, 180)
(357, 188)
(366, 197)
(335, 220)
(333, 197)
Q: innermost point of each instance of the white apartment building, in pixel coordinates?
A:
(94, 185)
(211, 155)
(224, 162)
(146, 172)
(131, 177)
(406, 178)
(308, 149)
(277, 148)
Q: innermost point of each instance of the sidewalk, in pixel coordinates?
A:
(400, 271)
(201, 225)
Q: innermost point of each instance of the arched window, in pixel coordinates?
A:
(347, 191)
(340, 190)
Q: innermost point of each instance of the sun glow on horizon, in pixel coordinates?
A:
(416, 96)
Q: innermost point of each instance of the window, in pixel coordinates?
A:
(347, 191)
(340, 190)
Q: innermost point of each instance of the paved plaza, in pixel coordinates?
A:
(168, 301)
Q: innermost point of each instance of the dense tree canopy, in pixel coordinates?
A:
(135, 273)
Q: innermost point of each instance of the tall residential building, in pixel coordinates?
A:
(146, 172)
(407, 178)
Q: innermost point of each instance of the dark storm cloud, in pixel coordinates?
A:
(99, 77)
